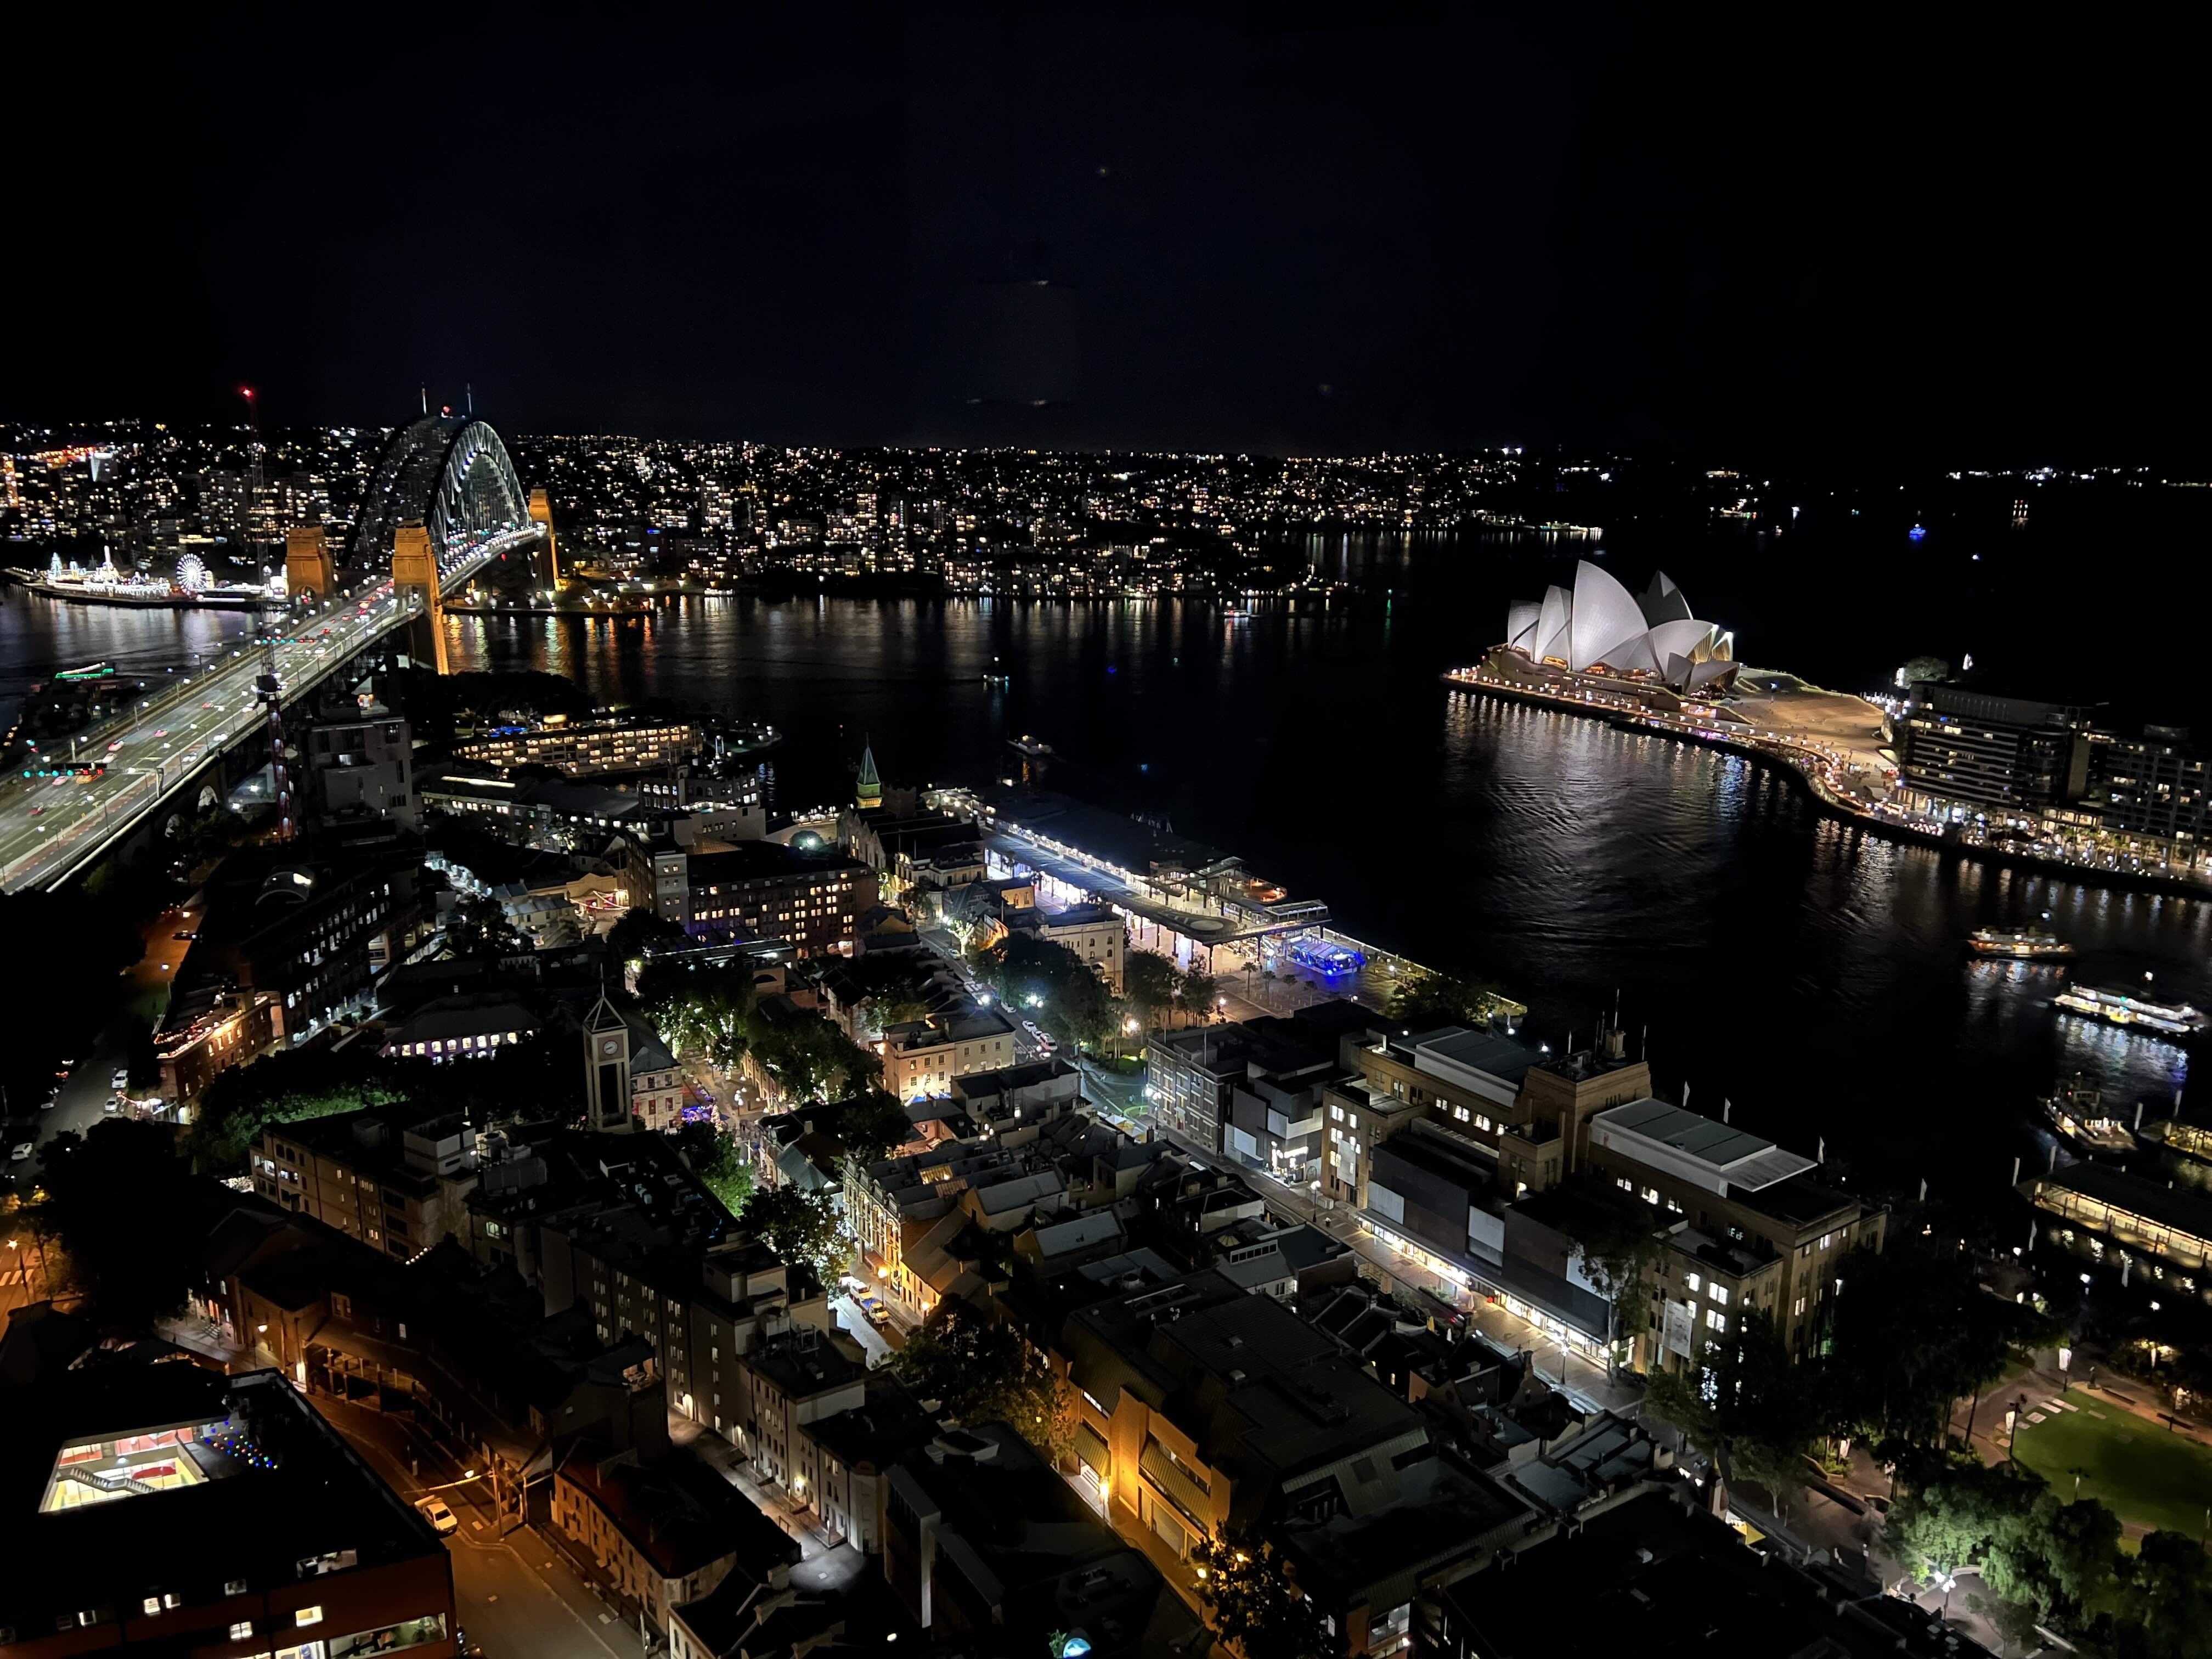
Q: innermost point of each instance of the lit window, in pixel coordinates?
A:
(152, 1604)
(241, 1630)
(1718, 1292)
(1692, 1281)
(307, 1616)
(1716, 1320)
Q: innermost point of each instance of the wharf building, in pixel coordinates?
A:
(1183, 899)
(2169, 1227)
(1481, 1157)
(592, 747)
(170, 1508)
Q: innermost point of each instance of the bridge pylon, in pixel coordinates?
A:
(308, 568)
(541, 514)
(414, 567)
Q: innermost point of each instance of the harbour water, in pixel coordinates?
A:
(1816, 977)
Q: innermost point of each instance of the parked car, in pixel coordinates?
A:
(440, 1518)
(121, 1080)
(876, 1313)
(21, 1153)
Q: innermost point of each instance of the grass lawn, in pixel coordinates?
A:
(2140, 1470)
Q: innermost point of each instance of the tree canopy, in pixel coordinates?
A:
(638, 927)
(983, 1370)
(1149, 981)
(284, 1087)
(712, 1153)
(1071, 1000)
(75, 946)
(1912, 1332)
(478, 927)
(800, 1227)
(1252, 1601)
(2058, 1564)
(1749, 1407)
(120, 1199)
(1425, 1001)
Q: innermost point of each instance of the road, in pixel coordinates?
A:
(85, 1096)
(48, 826)
(512, 1591)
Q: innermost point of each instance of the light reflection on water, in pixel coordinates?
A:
(1814, 976)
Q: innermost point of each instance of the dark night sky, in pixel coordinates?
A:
(1880, 236)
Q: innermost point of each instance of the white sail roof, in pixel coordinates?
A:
(1551, 624)
(1521, 622)
(1601, 622)
(1605, 618)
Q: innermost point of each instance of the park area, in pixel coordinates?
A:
(2151, 1477)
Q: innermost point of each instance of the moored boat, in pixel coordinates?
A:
(2077, 1112)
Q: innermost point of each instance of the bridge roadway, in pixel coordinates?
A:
(50, 829)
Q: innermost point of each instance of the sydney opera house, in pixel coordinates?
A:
(1600, 628)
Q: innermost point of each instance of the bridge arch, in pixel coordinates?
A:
(449, 472)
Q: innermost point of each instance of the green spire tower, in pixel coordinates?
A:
(869, 794)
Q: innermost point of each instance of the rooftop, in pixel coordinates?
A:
(121, 1482)
(1742, 1160)
(679, 1513)
(759, 860)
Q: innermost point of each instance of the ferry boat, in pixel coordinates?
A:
(1026, 744)
(2122, 1008)
(2030, 942)
(2077, 1113)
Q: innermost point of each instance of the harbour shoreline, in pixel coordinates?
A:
(1902, 834)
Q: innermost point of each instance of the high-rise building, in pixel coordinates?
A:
(2153, 783)
(1967, 754)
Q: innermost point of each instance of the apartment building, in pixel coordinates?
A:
(982, 1536)
(1201, 1405)
(207, 1030)
(665, 1532)
(362, 762)
(764, 890)
(1469, 1081)
(307, 926)
(385, 1175)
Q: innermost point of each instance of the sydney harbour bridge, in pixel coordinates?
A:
(443, 509)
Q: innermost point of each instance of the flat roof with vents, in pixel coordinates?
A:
(1715, 1155)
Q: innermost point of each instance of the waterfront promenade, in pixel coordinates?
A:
(1814, 736)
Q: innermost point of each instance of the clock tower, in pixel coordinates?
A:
(606, 1068)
